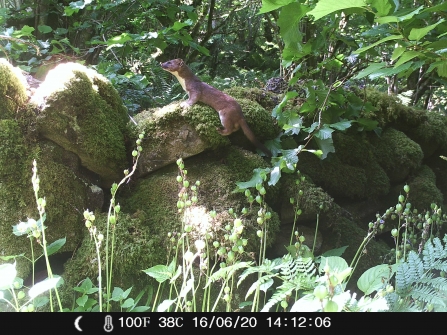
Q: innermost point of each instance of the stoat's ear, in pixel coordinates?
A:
(181, 62)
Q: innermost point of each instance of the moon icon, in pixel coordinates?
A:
(77, 323)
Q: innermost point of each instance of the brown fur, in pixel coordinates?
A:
(230, 112)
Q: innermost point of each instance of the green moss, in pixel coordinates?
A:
(335, 177)
(154, 199)
(313, 200)
(423, 190)
(157, 123)
(431, 134)
(391, 112)
(65, 194)
(268, 100)
(259, 120)
(397, 154)
(84, 116)
(12, 90)
(439, 167)
(16, 198)
(354, 149)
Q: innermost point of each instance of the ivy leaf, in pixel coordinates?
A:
(325, 7)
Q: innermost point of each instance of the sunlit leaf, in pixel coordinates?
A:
(325, 7)
(269, 5)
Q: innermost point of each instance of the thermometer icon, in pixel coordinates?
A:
(108, 327)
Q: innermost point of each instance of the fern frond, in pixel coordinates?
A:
(261, 281)
(418, 283)
(281, 293)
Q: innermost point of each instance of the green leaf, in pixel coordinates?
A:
(335, 252)
(55, 246)
(441, 68)
(397, 53)
(259, 175)
(417, 33)
(160, 273)
(372, 279)
(406, 56)
(386, 39)
(336, 264)
(8, 273)
(326, 146)
(26, 31)
(325, 7)
(118, 41)
(41, 301)
(179, 25)
(342, 125)
(383, 7)
(289, 21)
(128, 303)
(324, 133)
(395, 19)
(44, 29)
(82, 300)
(390, 71)
(269, 5)
(117, 294)
(367, 124)
(370, 69)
